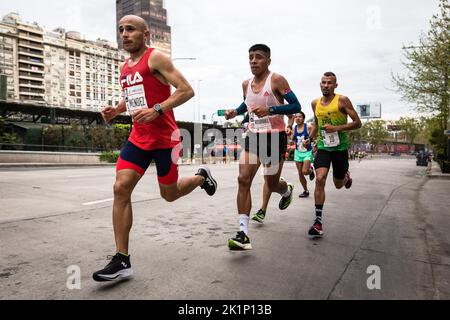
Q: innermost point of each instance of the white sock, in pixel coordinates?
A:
(287, 194)
(244, 220)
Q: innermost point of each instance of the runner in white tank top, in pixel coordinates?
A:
(266, 98)
(266, 140)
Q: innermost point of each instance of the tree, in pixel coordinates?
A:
(410, 127)
(427, 82)
(357, 137)
(376, 132)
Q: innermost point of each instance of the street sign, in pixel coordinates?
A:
(447, 132)
(221, 113)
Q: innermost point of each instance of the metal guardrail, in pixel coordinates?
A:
(33, 147)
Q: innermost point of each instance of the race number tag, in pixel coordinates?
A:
(300, 146)
(260, 124)
(331, 139)
(135, 98)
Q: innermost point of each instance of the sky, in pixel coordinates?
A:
(361, 41)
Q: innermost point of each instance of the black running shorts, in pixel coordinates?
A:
(339, 159)
(269, 147)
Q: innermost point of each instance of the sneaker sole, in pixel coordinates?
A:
(302, 196)
(349, 185)
(259, 220)
(292, 196)
(236, 246)
(208, 172)
(316, 235)
(121, 275)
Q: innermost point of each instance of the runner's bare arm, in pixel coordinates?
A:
(290, 125)
(346, 106)
(314, 130)
(162, 64)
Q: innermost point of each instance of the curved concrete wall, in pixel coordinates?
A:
(49, 157)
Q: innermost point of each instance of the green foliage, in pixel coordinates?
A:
(110, 157)
(376, 132)
(95, 138)
(410, 128)
(358, 136)
(445, 166)
(427, 83)
(52, 136)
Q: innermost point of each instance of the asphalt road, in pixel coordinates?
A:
(389, 231)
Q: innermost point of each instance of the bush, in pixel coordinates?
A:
(445, 166)
(110, 157)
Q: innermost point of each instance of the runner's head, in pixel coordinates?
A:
(328, 84)
(300, 118)
(134, 33)
(259, 55)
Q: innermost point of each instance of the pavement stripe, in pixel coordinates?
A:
(97, 202)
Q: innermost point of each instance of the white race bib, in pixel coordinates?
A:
(300, 146)
(135, 98)
(260, 124)
(331, 139)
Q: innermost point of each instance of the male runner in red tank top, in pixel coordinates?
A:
(146, 78)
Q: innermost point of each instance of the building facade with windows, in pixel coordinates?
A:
(58, 68)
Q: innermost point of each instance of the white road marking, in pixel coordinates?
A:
(97, 202)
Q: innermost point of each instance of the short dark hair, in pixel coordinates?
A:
(302, 114)
(261, 47)
(330, 74)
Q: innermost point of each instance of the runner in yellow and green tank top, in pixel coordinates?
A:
(331, 112)
(331, 115)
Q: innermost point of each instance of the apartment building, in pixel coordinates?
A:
(58, 68)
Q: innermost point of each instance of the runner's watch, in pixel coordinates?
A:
(158, 109)
(271, 111)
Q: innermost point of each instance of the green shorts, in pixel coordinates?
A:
(303, 156)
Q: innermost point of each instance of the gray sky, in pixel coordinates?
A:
(360, 41)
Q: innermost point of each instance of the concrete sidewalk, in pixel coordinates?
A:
(436, 172)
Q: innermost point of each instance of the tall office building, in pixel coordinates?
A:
(155, 14)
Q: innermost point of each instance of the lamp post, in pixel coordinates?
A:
(197, 140)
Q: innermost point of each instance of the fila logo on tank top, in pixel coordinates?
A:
(134, 94)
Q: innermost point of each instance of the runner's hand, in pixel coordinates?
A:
(330, 128)
(261, 112)
(230, 114)
(306, 142)
(145, 115)
(288, 131)
(109, 113)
